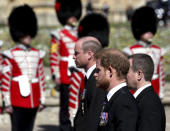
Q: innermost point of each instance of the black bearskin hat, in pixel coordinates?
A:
(22, 21)
(143, 20)
(67, 8)
(95, 25)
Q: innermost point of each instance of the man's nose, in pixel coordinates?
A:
(95, 74)
(74, 57)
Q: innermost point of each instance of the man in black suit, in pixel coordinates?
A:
(91, 98)
(119, 111)
(151, 110)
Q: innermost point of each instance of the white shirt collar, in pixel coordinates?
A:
(114, 90)
(23, 47)
(90, 70)
(144, 43)
(140, 90)
(69, 27)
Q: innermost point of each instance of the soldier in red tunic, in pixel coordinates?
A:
(23, 73)
(144, 27)
(63, 68)
(1, 59)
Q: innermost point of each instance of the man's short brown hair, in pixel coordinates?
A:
(114, 58)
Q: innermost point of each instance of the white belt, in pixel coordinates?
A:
(64, 58)
(155, 76)
(24, 84)
(70, 60)
(33, 80)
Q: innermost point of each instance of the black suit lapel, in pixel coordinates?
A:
(90, 80)
(121, 90)
(86, 91)
(115, 96)
(145, 91)
(91, 76)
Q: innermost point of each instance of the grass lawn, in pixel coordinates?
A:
(120, 37)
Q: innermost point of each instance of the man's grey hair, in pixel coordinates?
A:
(91, 45)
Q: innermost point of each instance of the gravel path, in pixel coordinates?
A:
(47, 120)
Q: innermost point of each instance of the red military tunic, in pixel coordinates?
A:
(156, 54)
(61, 59)
(23, 77)
(1, 59)
(62, 50)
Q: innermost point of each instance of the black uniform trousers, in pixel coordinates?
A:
(65, 124)
(22, 119)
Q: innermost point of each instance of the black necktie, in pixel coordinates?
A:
(85, 80)
(105, 100)
(104, 103)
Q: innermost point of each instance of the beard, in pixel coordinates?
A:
(103, 84)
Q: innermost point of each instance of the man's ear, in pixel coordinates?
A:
(90, 55)
(139, 75)
(110, 71)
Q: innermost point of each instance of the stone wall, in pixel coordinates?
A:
(46, 13)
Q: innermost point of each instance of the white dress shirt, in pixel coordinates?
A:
(90, 70)
(141, 89)
(114, 90)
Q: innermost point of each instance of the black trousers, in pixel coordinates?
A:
(22, 119)
(65, 124)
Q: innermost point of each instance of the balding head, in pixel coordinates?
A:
(85, 49)
(89, 43)
(89, 38)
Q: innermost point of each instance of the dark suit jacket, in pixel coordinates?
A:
(93, 103)
(151, 111)
(122, 112)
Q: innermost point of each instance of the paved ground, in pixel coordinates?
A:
(167, 109)
(47, 120)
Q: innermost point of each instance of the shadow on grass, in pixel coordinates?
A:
(48, 128)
